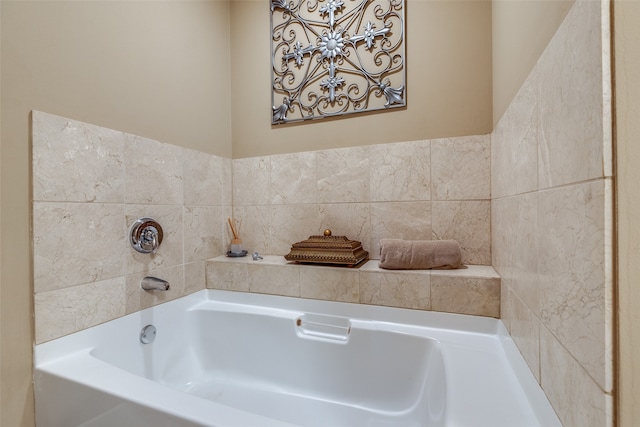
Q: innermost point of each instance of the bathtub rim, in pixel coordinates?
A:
(50, 350)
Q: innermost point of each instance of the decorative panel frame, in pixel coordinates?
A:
(336, 57)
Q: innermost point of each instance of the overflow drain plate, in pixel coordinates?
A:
(148, 334)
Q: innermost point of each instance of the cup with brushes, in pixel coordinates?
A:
(236, 243)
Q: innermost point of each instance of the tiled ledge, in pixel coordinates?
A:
(474, 290)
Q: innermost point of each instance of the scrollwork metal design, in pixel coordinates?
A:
(334, 57)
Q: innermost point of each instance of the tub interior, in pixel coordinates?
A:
(271, 363)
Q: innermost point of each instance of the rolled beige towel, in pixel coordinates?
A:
(398, 254)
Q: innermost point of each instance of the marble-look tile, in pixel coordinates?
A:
(75, 161)
(610, 318)
(204, 179)
(203, 228)
(461, 168)
(515, 245)
(572, 272)
(400, 171)
(525, 331)
(330, 283)
(64, 311)
(153, 172)
(372, 265)
(194, 277)
(607, 88)
(468, 222)
(170, 252)
(291, 224)
(576, 398)
(465, 295)
(570, 127)
(347, 219)
(468, 271)
(501, 241)
(255, 228)
(274, 279)
(398, 289)
(399, 220)
(251, 181)
(293, 178)
(76, 243)
(514, 144)
(343, 175)
(266, 260)
(139, 299)
(505, 307)
(553, 247)
(228, 276)
(368, 284)
(226, 168)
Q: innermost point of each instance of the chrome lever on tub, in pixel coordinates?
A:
(146, 235)
(150, 283)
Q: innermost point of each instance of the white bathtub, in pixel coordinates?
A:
(236, 359)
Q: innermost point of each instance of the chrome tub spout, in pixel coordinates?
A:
(154, 284)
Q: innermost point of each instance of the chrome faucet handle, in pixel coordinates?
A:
(256, 256)
(146, 235)
(149, 239)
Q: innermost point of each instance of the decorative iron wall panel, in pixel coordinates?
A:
(334, 57)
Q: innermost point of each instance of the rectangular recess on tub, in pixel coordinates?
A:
(332, 328)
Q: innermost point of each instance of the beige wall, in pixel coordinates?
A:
(157, 69)
(483, 53)
(2, 322)
(521, 31)
(448, 83)
(1, 307)
(627, 77)
(16, 392)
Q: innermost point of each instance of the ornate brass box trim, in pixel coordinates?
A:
(328, 249)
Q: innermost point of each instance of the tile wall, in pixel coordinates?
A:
(435, 189)
(552, 218)
(474, 290)
(89, 185)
